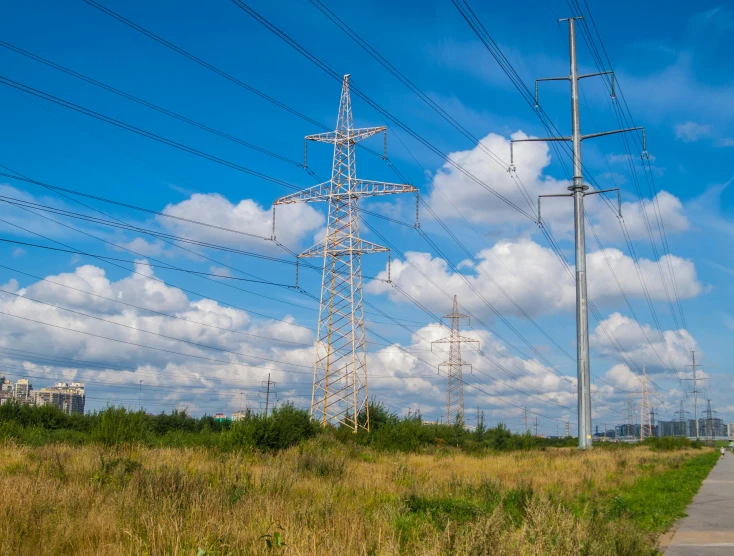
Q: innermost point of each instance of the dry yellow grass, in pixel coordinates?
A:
(60, 499)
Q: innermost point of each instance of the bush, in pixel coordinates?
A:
(117, 425)
(284, 427)
(668, 443)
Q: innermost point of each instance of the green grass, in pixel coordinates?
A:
(655, 502)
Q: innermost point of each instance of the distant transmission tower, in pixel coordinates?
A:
(630, 432)
(339, 391)
(454, 367)
(696, 391)
(710, 433)
(682, 420)
(645, 424)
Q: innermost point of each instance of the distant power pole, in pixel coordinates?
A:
(568, 429)
(578, 192)
(339, 392)
(695, 390)
(454, 366)
(526, 421)
(267, 384)
(536, 425)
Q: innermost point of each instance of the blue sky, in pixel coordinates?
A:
(671, 63)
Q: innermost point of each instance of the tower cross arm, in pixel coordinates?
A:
(347, 246)
(454, 364)
(369, 188)
(359, 188)
(340, 136)
(315, 193)
(462, 339)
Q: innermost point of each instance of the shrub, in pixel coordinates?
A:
(284, 427)
(117, 425)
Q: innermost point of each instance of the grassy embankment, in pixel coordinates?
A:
(332, 497)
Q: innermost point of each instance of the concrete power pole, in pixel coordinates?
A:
(578, 192)
(339, 392)
(454, 366)
(526, 421)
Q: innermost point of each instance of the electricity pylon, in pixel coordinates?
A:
(695, 392)
(339, 394)
(454, 367)
(645, 424)
(630, 432)
(578, 192)
(709, 420)
(682, 416)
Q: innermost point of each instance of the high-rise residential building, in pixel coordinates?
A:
(6, 386)
(69, 398)
(23, 390)
(712, 428)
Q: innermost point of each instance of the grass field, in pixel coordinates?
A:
(329, 497)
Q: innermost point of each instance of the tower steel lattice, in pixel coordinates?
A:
(454, 366)
(645, 423)
(682, 425)
(630, 425)
(340, 393)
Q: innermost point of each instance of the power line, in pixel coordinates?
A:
(489, 43)
(323, 66)
(142, 132)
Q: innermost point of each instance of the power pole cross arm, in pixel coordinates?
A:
(581, 138)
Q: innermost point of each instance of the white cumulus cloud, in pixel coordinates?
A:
(293, 222)
(530, 275)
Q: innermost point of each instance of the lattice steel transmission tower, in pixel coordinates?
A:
(709, 422)
(630, 427)
(696, 391)
(683, 427)
(645, 424)
(454, 366)
(339, 391)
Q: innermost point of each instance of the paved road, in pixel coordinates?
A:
(709, 528)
